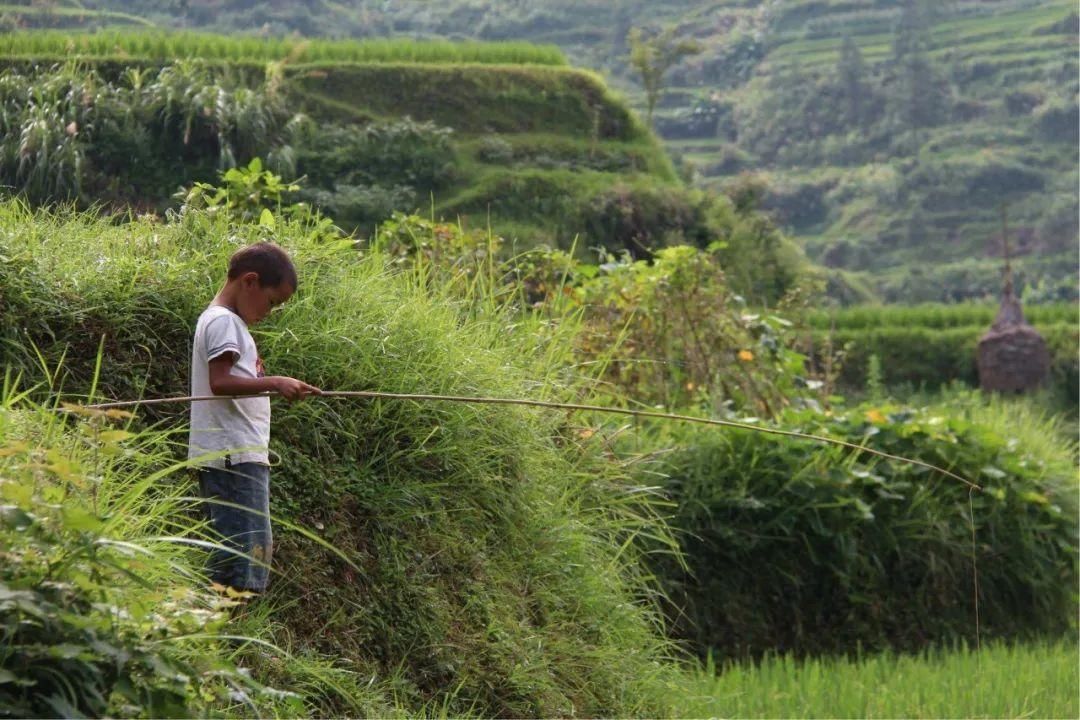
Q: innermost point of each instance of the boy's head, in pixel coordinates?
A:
(261, 277)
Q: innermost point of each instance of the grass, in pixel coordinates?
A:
(73, 13)
(479, 99)
(936, 315)
(492, 564)
(961, 34)
(1000, 681)
(172, 45)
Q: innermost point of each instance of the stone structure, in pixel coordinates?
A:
(1012, 355)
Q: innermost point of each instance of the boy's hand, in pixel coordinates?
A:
(292, 389)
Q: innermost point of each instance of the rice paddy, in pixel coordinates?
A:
(1000, 681)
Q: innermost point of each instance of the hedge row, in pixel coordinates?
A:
(931, 358)
(797, 547)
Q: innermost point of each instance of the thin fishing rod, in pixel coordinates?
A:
(371, 394)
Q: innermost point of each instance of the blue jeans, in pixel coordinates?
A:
(244, 529)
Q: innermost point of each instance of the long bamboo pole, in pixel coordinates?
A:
(371, 394)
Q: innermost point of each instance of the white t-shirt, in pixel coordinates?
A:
(240, 427)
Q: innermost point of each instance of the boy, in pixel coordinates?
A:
(225, 361)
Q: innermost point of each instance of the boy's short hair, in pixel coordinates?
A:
(272, 264)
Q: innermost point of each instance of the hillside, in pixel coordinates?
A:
(504, 135)
(887, 134)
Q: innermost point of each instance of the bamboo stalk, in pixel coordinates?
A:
(371, 394)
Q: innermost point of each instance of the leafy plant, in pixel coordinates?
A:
(804, 549)
(102, 611)
(246, 195)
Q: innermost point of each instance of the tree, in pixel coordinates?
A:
(919, 100)
(653, 56)
(852, 76)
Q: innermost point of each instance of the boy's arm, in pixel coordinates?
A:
(223, 382)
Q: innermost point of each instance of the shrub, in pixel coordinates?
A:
(794, 548)
(89, 137)
(398, 152)
(932, 358)
(361, 208)
(1057, 121)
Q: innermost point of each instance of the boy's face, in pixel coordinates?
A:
(254, 301)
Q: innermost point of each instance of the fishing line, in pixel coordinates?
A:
(371, 394)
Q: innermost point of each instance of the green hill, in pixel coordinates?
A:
(504, 134)
(891, 161)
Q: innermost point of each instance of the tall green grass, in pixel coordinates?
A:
(162, 46)
(103, 607)
(999, 681)
(492, 562)
(935, 315)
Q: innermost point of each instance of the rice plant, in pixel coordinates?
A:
(935, 315)
(160, 46)
(998, 681)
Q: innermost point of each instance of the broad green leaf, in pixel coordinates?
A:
(80, 519)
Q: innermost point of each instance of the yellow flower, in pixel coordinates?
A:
(875, 416)
(746, 355)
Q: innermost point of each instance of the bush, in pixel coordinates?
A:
(1057, 122)
(398, 152)
(360, 208)
(793, 547)
(91, 137)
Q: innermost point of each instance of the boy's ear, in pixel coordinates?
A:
(249, 278)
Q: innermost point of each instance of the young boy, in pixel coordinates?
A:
(236, 433)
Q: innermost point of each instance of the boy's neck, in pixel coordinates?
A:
(226, 297)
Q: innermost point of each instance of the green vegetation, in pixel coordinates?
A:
(49, 46)
(439, 559)
(932, 346)
(508, 146)
(459, 559)
(936, 316)
(891, 132)
(101, 610)
(488, 565)
(997, 681)
(792, 547)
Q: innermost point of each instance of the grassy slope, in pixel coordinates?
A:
(487, 573)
